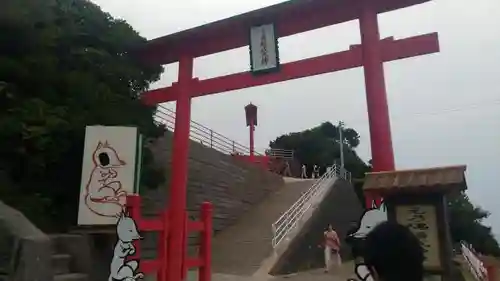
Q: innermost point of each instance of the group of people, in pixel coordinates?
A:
(314, 174)
(287, 172)
(391, 252)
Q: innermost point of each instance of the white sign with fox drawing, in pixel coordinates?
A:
(108, 173)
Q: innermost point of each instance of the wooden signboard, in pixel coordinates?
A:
(421, 220)
(418, 199)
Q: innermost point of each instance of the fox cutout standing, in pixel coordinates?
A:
(104, 195)
(127, 233)
(369, 220)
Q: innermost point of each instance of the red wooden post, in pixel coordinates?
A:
(179, 166)
(251, 118)
(134, 209)
(185, 246)
(205, 272)
(491, 271)
(376, 98)
(161, 274)
(489, 265)
(252, 149)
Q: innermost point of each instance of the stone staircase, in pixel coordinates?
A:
(241, 248)
(63, 263)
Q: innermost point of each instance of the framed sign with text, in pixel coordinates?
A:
(421, 220)
(264, 54)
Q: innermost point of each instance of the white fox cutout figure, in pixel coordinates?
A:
(127, 232)
(104, 194)
(369, 220)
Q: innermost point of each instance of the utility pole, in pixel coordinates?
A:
(341, 124)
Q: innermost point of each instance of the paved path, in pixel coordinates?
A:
(345, 272)
(342, 274)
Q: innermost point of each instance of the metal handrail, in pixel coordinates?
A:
(203, 134)
(286, 222)
(474, 263)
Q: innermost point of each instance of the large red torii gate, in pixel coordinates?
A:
(289, 18)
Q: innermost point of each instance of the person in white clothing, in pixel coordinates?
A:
(331, 246)
(304, 172)
(315, 171)
(287, 172)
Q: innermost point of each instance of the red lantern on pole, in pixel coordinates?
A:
(251, 116)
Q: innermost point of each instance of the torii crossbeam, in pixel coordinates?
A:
(289, 18)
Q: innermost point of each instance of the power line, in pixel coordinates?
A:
(458, 109)
(406, 117)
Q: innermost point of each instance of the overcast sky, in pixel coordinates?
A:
(445, 107)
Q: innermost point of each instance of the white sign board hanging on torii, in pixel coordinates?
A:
(264, 54)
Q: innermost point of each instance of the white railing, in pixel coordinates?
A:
(342, 173)
(474, 263)
(202, 134)
(282, 226)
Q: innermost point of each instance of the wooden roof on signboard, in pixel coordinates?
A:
(420, 180)
(289, 17)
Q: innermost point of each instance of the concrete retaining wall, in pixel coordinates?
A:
(232, 185)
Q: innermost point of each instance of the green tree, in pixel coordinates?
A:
(320, 145)
(64, 64)
(466, 225)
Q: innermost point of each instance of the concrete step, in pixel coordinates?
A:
(241, 248)
(71, 277)
(59, 240)
(61, 263)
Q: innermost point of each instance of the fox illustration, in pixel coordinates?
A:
(104, 195)
(121, 270)
(369, 220)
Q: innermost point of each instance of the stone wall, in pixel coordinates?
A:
(25, 251)
(232, 185)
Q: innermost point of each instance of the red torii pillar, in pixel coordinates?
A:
(376, 97)
(178, 182)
